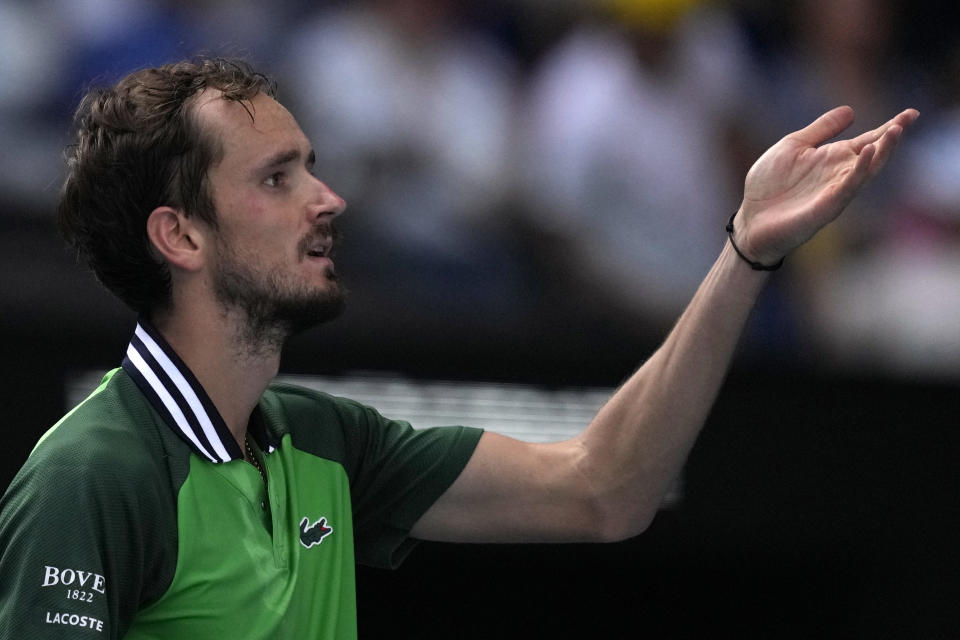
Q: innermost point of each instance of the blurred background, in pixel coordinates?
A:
(535, 189)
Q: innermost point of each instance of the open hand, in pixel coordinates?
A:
(800, 184)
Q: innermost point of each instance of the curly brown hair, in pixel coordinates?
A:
(139, 146)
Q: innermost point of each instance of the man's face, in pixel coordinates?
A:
(272, 247)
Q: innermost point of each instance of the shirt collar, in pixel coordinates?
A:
(181, 400)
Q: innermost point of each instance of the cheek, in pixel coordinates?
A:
(264, 246)
(245, 222)
(243, 207)
(255, 229)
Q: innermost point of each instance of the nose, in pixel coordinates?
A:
(326, 204)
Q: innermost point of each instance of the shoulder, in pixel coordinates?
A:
(112, 432)
(321, 424)
(351, 432)
(296, 407)
(107, 456)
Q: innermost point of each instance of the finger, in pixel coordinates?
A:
(825, 127)
(861, 170)
(869, 137)
(884, 147)
(903, 119)
(906, 117)
(855, 179)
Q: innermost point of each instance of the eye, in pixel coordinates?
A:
(274, 179)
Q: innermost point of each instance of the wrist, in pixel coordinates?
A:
(756, 265)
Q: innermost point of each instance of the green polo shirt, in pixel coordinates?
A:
(136, 516)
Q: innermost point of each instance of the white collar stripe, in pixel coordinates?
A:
(192, 422)
(186, 391)
(178, 396)
(167, 400)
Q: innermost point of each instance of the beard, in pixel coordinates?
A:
(273, 304)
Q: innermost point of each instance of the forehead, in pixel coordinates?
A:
(248, 131)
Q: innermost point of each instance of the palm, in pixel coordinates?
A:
(797, 187)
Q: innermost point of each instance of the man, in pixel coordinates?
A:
(190, 497)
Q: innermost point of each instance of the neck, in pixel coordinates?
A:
(233, 372)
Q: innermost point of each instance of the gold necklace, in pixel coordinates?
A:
(253, 459)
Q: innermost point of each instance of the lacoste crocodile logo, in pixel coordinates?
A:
(311, 534)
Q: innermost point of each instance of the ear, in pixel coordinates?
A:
(179, 239)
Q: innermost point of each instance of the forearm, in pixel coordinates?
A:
(638, 441)
(607, 483)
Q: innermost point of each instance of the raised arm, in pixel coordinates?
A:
(607, 483)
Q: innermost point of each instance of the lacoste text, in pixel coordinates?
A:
(74, 620)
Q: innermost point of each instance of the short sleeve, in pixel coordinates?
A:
(79, 551)
(402, 471)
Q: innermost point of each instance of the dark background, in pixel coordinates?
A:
(813, 508)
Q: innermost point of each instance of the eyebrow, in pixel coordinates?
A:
(283, 157)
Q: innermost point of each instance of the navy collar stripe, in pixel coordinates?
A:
(166, 380)
(179, 422)
(173, 362)
(192, 430)
(154, 399)
(180, 384)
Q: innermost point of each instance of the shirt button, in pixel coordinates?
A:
(263, 505)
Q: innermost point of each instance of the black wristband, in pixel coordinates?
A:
(756, 266)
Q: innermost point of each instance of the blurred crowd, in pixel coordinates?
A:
(511, 160)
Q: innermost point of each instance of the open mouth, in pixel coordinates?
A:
(320, 243)
(319, 247)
